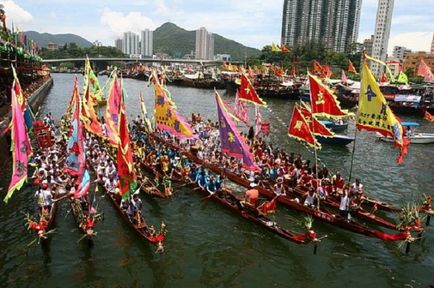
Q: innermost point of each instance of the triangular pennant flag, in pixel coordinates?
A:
(247, 92)
(315, 126)
(299, 129)
(351, 67)
(322, 99)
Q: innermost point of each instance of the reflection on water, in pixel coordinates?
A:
(210, 246)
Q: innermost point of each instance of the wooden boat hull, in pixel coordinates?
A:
(336, 140)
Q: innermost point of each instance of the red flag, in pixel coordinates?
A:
(328, 72)
(268, 206)
(318, 69)
(284, 49)
(88, 115)
(112, 111)
(425, 71)
(383, 78)
(247, 92)
(299, 129)
(351, 67)
(322, 99)
(428, 116)
(315, 126)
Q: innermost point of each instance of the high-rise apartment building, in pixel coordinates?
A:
(382, 33)
(333, 22)
(432, 43)
(400, 52)
(130, 44)
(146, 43)
(118, 44)
(204, 45)
(367, 45)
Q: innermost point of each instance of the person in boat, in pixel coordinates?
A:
(338, 183)
(344, 205)
(311, 198)
(136, 206)
(211, 187)
(279, 188)
(408, 131)
(167, 183)
(251, 196)
(356, 189)
(219, 183)
(110, 183)
(44, 198)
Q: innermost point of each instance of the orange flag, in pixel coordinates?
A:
(383, 78)
(247, 92)
(351, 67)
(322, 99)
(299, 129)
(88, 115)
(428, 116)
(112, 112)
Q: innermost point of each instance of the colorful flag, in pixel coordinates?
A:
(275, 48)
(231, 141)
(268, 206)
(344, 78)
(20, 147)
(166, 116)
(112, 111)
(148, 124)
(90, 80)
(351, 67)
(328, 72)
(322, 99)
(258, 121)
(125, 165)
(29, 117)
(283, 48)
(375, 114)
(247, 92)
(428, 116)
(75, 161)
(299, 129)
(383, 78)
(315, 126)
(425, 71)
(318, 69)
(83, 186)
(402, 78)
(241, 110)
(88, 114)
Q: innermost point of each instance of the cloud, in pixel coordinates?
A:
(15, 13)
(416, 41)
(119, 22)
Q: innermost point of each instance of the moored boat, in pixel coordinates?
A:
(335, 140)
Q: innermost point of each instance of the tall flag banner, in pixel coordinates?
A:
(389, 72)
(75, 160)
(322, 99)
(88, 114)
(258, 121)
(351, 67)
(425, 71)
(375, 114)
(247, 92)
(127, 177)
(148, 124)
(83, 185)
(344, 78)
(29, 117)
(315, 126)
(241, 110)
(427, 116)
(90, 79)
(166, 116)
(20, 147)
(112, 111)
(231, 141)
(72, 101)
(299, 129)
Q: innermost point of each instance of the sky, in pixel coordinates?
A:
(254, 23)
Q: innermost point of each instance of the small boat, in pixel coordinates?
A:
(84, 218)
(336, 127)
(335, 140)
(415, 138)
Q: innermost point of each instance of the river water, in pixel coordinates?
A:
(209, 246)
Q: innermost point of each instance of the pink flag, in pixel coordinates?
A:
(84, 185)
(241, 110)
(112, 112)
(258, 121)
(344, 78)
(425, 71)
(20, 147)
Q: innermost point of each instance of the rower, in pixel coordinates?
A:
(344, 206)
(338, 183)
(44, 198)
(356, 188)
(279, 189)
(311, 198)
(251, 196)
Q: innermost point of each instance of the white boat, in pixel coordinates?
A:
(417, 138)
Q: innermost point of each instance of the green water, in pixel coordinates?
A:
(209, 246)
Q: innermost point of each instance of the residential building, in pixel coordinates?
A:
(400, 52)
(432, 43)
(147, 43)
(367, 44)
(382, 33)
(52, 46)
(333, 22)
(204, 45)
(395, 65)
(118, 44)
(222, 57)
(412, 60)
(130, 44)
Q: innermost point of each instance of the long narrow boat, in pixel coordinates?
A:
(294, 203)
(85, 221)
(45, 223)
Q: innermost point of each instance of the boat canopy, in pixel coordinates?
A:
(410, 124)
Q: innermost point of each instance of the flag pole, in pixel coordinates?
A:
(356, 121)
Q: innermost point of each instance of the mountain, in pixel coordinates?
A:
(176, 41)
(42, 39)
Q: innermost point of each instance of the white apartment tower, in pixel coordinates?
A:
(146, 43)
(382, 33)
(130, 44)
(204, 45)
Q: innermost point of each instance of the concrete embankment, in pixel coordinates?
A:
(35, 100)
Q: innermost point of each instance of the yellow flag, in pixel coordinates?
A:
(375, 114)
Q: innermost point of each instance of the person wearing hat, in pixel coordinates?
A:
(279, 189)
(43, 197)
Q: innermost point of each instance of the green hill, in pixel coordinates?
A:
(42, 39)
(176, 41)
